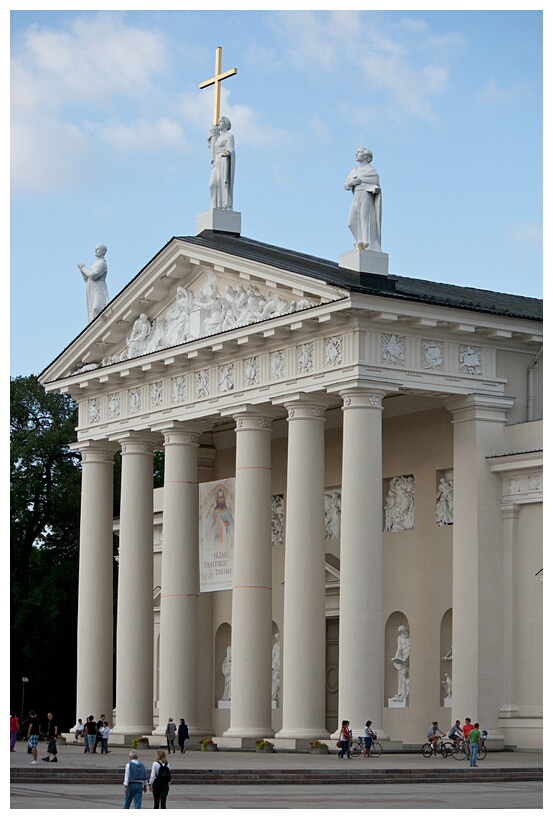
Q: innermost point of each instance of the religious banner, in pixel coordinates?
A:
(216, 535)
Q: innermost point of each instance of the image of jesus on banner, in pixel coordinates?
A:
(216, 534)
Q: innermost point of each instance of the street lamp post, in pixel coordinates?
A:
(23, 680)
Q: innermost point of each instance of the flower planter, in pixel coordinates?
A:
(61, 741)
(211, 747)
(142, 746)
(265, 750)
(319, 751)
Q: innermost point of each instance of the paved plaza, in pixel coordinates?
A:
(40, 795)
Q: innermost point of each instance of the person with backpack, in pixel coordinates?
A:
(160, 777)
(182, 734)
(135, 782)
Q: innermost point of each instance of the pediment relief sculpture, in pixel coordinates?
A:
(213, 309)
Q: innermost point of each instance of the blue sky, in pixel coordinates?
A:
(109, 144)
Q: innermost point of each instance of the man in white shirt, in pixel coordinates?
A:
(135, 782)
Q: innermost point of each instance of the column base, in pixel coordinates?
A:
(295, 744)
(249, 733)
(132, 730)
(236, 743)
(302, 733)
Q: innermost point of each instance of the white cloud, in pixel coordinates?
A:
(248, 126)
(493, 94)
(528, 232)
(404, 67)
(143, 134)
(64, 83)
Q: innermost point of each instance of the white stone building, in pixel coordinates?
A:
(384, 435)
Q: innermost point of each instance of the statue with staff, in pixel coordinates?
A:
(221, 143)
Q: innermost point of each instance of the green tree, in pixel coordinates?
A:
(44, 523)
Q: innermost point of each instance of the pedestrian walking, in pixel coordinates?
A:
(135, 782)
(170, 733)
(51, 736)
(14, 729)
(99, 729)
(345, 739)
(104, 738)
(33, 734)
(160, 777)
(182, 734)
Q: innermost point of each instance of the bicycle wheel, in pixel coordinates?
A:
(376, 749)
(460, 751)
(355, 749)
(447, 749)
(482, 753)
(427, 750)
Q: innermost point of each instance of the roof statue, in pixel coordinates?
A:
(365, 216)
(221, 143)
(365, 219)
(96, 288)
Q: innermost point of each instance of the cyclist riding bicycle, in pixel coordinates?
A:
(434, 734)
(455, 733)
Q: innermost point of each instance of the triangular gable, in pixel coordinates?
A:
(184, 294)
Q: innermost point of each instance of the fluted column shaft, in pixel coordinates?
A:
(478, 422)
(361, 682)
(304, 632)
(180, 581)
(95, 614)
(135, 620)
(252, 584)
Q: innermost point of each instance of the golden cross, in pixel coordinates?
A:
(216, 80)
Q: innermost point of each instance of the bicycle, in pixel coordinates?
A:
(441, 746)
(462, 751)
(358, 746)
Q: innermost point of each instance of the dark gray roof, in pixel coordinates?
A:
(399, 287)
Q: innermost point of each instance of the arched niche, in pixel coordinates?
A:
(446, 658)
(276, 666)
(397, 646)
(222, 643)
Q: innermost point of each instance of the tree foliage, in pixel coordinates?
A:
(44, 524)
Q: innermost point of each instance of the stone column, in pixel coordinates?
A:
(95, 614)
(135, 618)
(510, 513)
(361, 672)
(180, 580)
(478, 422)
(250, 715)
(304, 632)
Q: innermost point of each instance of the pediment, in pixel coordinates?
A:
(183, 295)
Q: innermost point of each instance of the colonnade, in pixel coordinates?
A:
(303, 660)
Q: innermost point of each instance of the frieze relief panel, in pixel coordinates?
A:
(427, 355)
(399, 506)
(215, 308)
(277, 520)
(114, 406)
(333, 513)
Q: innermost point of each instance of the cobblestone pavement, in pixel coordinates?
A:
(485, 796)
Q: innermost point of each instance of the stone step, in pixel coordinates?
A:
(287, 777)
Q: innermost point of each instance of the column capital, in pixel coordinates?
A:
(510, 510)
(179, 433)
(253, 420)
(302, 406)
(95, 451)
(475, 407)
(363, 397)
(164, 427)
(138, 443)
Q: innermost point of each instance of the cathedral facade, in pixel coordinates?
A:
(350, 525)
